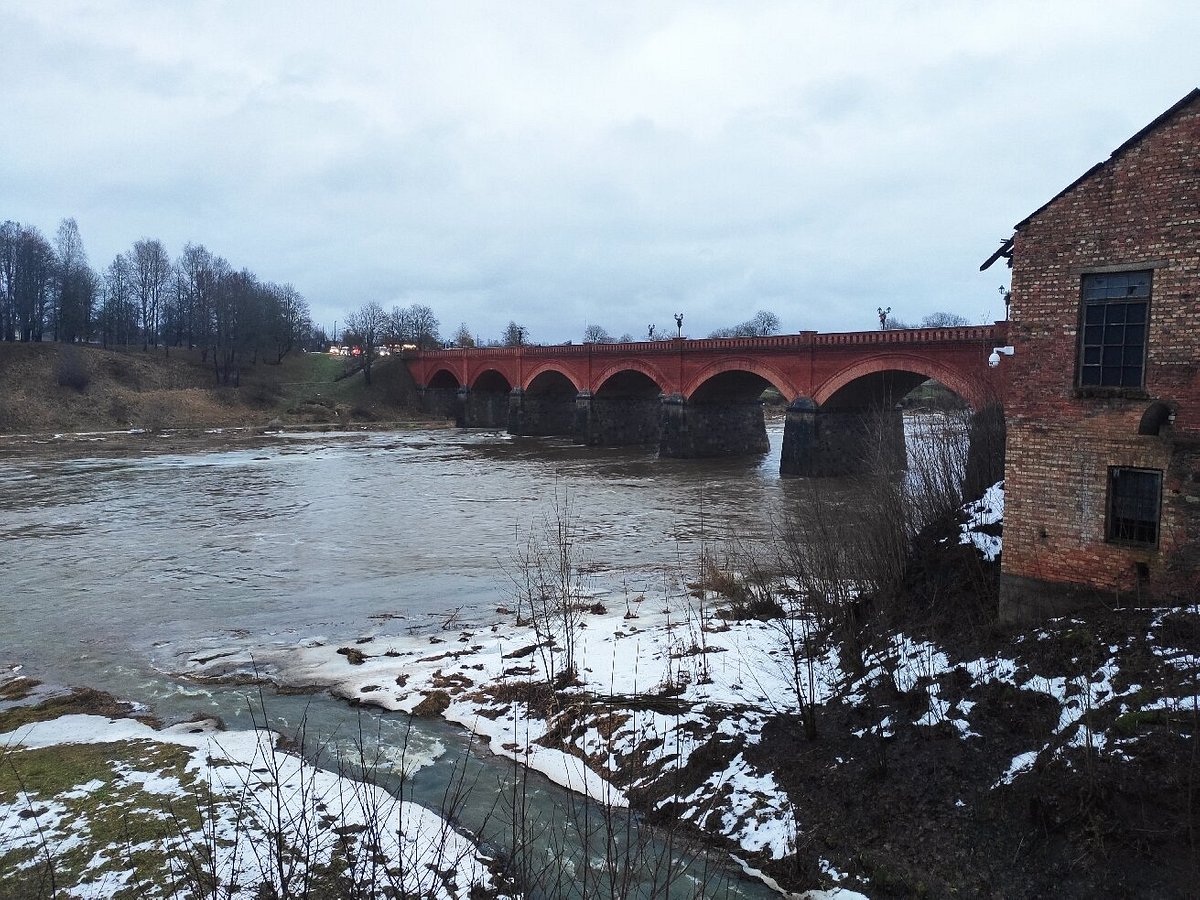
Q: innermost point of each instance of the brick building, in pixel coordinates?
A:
(1103, 408)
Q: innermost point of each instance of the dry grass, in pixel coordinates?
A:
(129, 388)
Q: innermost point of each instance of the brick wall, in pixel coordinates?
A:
(1139, 210)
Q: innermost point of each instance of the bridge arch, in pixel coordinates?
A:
(547, 402)
(632, 365)
(440, 397)
(486, 404)
(443, 379)
(490, 379)
(975, 391)
(625, 408)
(768, 373)
(545, 368)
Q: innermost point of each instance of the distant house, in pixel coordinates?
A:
(1102, 471)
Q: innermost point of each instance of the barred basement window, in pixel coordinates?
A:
(1116, 310)
(1133, 505)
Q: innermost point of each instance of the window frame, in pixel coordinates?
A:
(1082, 345)
(1110, 517)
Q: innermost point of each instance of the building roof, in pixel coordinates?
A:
(1006, 247)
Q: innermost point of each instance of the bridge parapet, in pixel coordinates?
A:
(983, 333)
(996, 333)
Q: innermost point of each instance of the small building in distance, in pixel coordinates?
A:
(1102, 467)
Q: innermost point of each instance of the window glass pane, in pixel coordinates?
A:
(1115, 312)
(1137, 284)
(1133, 505)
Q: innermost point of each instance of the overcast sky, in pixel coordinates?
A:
(565, 164)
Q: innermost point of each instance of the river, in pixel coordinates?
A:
(113, 566)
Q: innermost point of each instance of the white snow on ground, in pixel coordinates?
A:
(661, 677)
(713, 680)
(988, 510)
(716, 678)
(274, 793)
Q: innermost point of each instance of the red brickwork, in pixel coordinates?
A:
(808, 364)
(1138, 210)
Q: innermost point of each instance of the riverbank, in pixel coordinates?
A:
(1055, 761)
(55, 389)
(97, 802)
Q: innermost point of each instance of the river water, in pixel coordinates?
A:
(109, 566)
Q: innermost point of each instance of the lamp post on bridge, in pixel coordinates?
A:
(679, 325)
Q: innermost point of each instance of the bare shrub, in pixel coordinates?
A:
(120, 410)
(71, 371)
(548, 586)
(856, 548)
(156, 413)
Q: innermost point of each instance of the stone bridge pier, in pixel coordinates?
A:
(824, 443)
(442, 402)
(541, 414)
(627, 411)
(723, 418)
(483, 409)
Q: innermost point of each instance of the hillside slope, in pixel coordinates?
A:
(49, 388)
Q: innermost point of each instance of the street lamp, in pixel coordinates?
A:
(679, 325)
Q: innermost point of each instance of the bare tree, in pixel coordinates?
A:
(762, 323)
(28, 273)
(944, 320)
(286, 319)
(414, 324)
(425, 327)
(76, 286)
(118, 309)
(151, 269)
(596, 334)
(195, 281)
(367, 327)
(463, 337)
(548, 583)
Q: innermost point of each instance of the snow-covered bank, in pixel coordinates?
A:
(691, 717)
(169, 811)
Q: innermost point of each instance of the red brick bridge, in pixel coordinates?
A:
(703, 397)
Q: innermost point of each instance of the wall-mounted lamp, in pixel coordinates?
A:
(994, 359)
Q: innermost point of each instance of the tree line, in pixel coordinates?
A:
(49, 292)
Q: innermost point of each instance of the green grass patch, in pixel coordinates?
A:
(111, 824)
